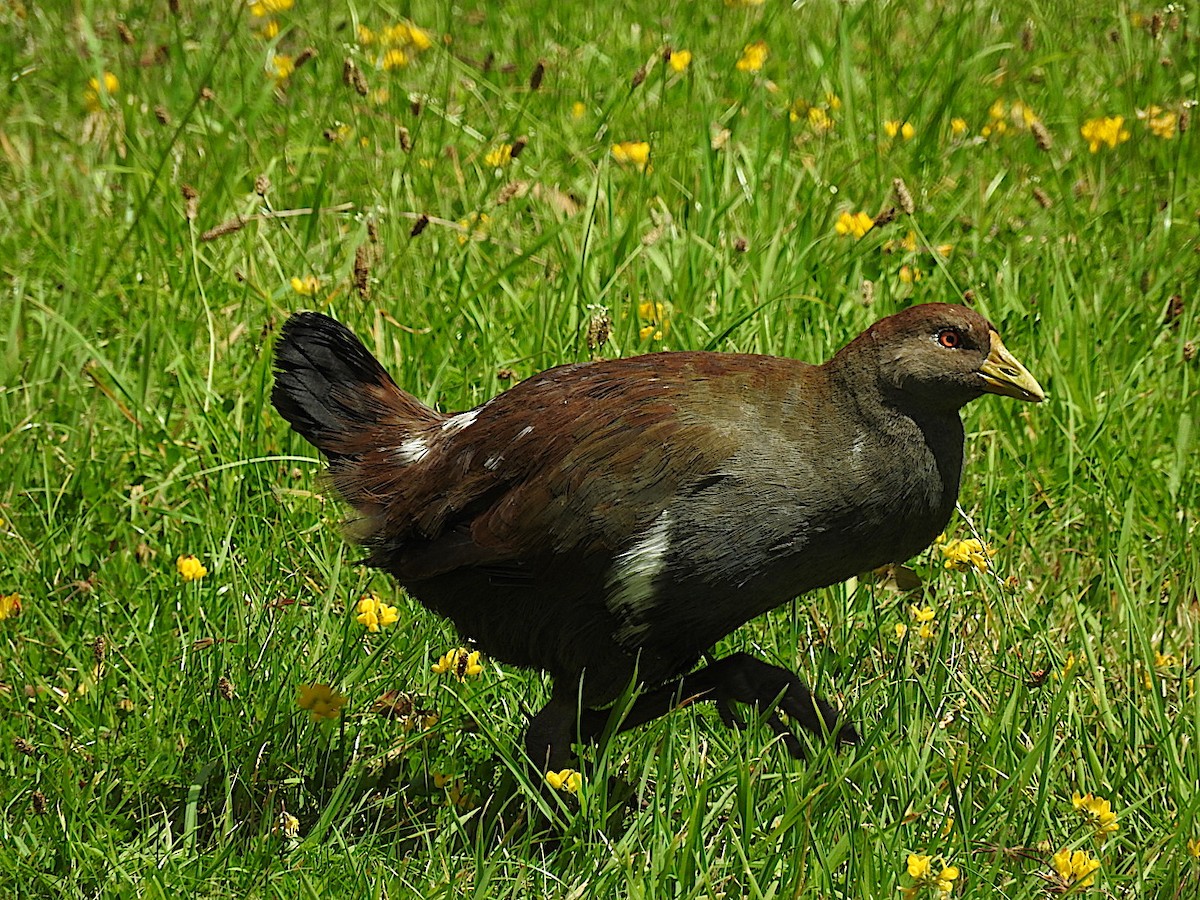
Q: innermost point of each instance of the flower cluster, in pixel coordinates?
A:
(321, 701)
(286, 826)
(816, 116)
(500, 155)
(1162, 122)
(374, 614)
(1000, 115)
(1108, 131)
(853, 224)
(460, 661)
(632, 153)
(398, 44)
(263, 12)
(930, 872)
(93, 95)
(962, 556)
(306, 286)
(567, 780)
(754, 57)
(895, 127)
(654, 321)
(1075, 867)
(1098, 813)
(190, 568)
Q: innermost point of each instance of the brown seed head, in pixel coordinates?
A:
(1041, 135)
(867, 292)
(420, 226)
(1189, 351)
(227, 227)
(415, 106)
(362, 271)
(1042, 198)
(372, 231)
(23, 746)
(518, 146)
(1027, 37)
(1156, 24)
(506, 375)
(885, 218)
(598, 330)
(99, 649)
(38, 801)
(305, 55)
(1174, 309)
(638, 77)
(225, 688)
(160, 113)
(741, 245)
(125, 34)
(969, 297)
(903, 198)
(405, 139)
(1185, 119)
(539, 72)
(206, 94)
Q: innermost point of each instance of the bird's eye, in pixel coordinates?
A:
(950, 338)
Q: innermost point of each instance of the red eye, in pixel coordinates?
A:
(948, 337)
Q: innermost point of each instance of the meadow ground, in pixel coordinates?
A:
(481, 191)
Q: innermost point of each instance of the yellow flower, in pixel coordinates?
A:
(263, 8)
(964, 555)
(92, 95)
(287, 825)
(854, 224)
(473, 224)
(284, 67)
(1109, 131)
(1162, 123)
(1077, 866)
(633, 153)
(405, 34)
(567, 780)
(578, 110)
(958, 127)
(321, 701)
(268, 30)
(1165, 660)
(394, 59)
(1022, 115)
(374, 614)
(1193, 848)
(922, 614)
(366, 36)
(10, 606)
(680, 60)
(1098, 813)
(461, 662)
(925, 873)
(895, 127)
(501, 155)
(754, 56)
(818, 119)
(910, 274)
(190, 568)
(901, 631)
(654, 319)
(925, 632)
(306, 286)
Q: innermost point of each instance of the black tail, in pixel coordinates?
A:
(334, 393)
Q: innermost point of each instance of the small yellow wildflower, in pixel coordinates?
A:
(474, 225)
(578, 110)
(853, 224)
(1164, 662)
(10, 606)
(1075, 867)
(833, 101)
(1193, 848)
(394, 59)
(286, 825)
(910, 274)
(680, 60)
(922, 613)
(1109, 131)
(284, 67)
(1022, 115)
(962, 556)
(366, 36)
(633, 153)
(926, 632)
(1162, 123)
(374, 614)
(754, 57)
(567, 780)
(895, 127)
(1098, 813)
(958, 127)
(654, 319)
(306, 286)
(901, 631)
(461, 662)
(501, 155)
(190, 568)
(818, 119)
(268, 30)
(321, 701)
(924, 873)
(92, 96)
(263, 8)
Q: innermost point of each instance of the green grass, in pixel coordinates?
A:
(135, 426)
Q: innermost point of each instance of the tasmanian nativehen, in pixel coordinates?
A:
(611, 521)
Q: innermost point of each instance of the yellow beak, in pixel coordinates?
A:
(1003, 375)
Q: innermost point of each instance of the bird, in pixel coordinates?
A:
(609, 522)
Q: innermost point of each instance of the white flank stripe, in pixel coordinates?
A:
(412, 450)
(631, 582)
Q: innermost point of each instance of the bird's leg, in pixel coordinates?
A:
(739, 678)
(549, 733)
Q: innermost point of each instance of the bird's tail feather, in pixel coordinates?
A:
(335, 394)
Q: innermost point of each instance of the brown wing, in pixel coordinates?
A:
(576, 459)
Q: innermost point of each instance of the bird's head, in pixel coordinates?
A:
(942, 356)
